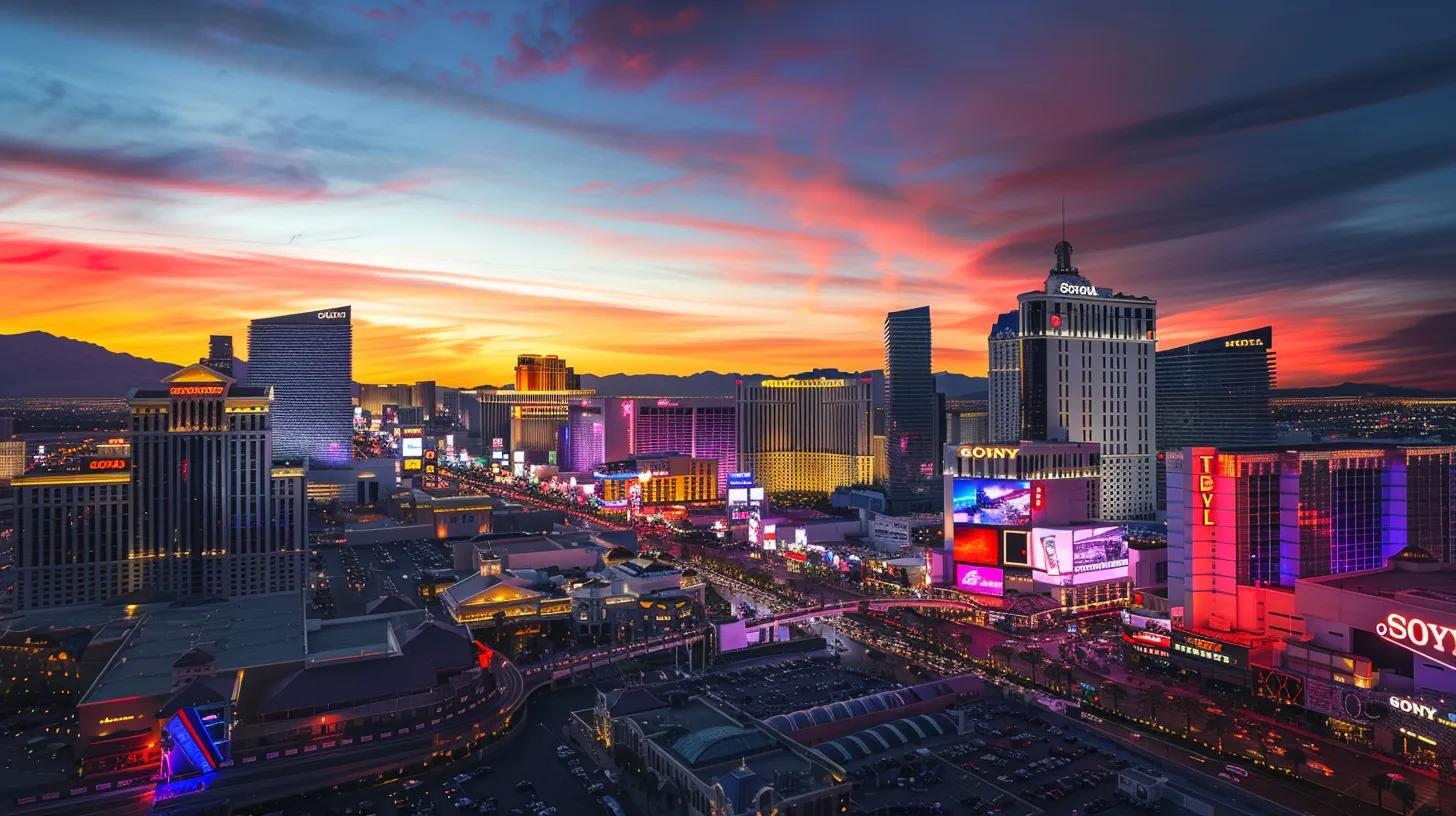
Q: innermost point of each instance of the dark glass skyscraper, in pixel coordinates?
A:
(308, 360)
(1216, 392)
(911, 416)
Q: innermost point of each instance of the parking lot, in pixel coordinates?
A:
(788, 686)
(1013, 763)
(345, 579)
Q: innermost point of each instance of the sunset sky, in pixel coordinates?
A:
(734, 186)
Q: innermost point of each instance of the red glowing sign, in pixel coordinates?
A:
(1205, 487)
(195, 391)
(1038, 496)
(106, 464)
(976, 545)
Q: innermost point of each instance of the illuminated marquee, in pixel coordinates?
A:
(1418, 636)
(106, 464)
(195, 391)
(987, 452)
(1205, 487)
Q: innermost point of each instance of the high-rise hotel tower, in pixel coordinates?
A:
(308, 360)
(810, 435)
(1088, 374)
(199, 511)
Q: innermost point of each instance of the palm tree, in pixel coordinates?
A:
(1187, 705)
(1004, 651)
(1116, 694)
(1219, 726)
(1381, 783)
(1152, 701)
(1034, 658)
(1405, 793)
(1295, 757)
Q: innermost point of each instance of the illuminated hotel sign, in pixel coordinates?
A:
(666, 403)
(332, 315)
(1205, 487)
(987, 452)
(106, 464)
(1203, 649)
(1076, 289)
(195, 391)
(1243, 342)
(822, 382)
(123, 718)
(1419, 636)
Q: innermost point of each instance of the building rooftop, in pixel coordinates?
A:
(1433, 589)
(239, 634)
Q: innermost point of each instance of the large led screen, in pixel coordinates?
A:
(1085, 555)
(1003, 502)
(1098, 548)
(976, 545)
(980, 580)
(411, 446)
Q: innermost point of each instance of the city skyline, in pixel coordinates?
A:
(468, 177)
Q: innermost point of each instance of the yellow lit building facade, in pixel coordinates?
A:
(806, 435)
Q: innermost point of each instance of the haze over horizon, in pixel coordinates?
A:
(736, 186)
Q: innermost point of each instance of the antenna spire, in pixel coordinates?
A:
(1064, 218)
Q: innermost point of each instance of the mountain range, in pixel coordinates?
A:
(38, 364)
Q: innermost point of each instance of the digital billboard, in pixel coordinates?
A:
(1148, 632)
(980, 580)
(1078, 555)
(976, 545)
(1098, 548)
(411, 447)
(1002, 502)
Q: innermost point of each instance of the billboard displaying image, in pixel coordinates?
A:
(976, 545)
(1002, 502)
(980, 580)
(1098, 548)
(1078, 555)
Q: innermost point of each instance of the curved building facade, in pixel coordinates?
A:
(308, 361)
(810, 435)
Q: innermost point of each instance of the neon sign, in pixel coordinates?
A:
(195, 391)
(1205, 487)
(106, 464)
(667, 403)
(987, 452)
(1413, 633)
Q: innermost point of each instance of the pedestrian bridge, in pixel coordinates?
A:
(863, 605)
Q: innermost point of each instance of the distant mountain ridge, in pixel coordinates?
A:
(39, 364)
(1354, 389)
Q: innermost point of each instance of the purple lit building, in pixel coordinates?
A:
(606, 429)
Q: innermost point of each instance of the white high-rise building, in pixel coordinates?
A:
(1003, 379)
(1088, 374)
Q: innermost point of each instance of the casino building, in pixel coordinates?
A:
(308, 361)
(201, 510)
(1215, 392)
(806, 434)
(1319, 576)
(1087, 374)
(1020, 520)
(606, 429)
